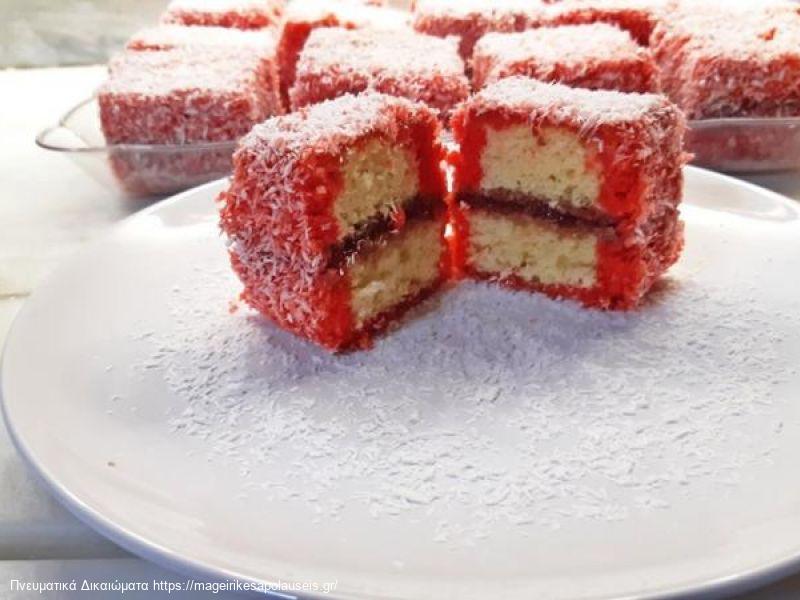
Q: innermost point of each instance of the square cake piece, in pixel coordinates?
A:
(179, 98)
(637, 17)
(303, 16)
(335, 216)
(747, 64)
(568, 191)
(239, 14)
(185, 95)
(469, 20)
(598, 56)
(400, 63)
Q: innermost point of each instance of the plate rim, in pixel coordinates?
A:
(149, 550)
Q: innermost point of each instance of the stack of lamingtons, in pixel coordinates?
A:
(569, 191)
(566, 165)
(337, 220)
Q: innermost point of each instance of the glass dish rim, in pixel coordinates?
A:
(42, 136)
(742, 121)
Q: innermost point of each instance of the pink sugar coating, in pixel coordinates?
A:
(186, 95)
(239, 14)
(597, 56)
(336, 61)
(167, 37)
(747, 64)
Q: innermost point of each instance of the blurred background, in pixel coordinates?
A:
(40, 33)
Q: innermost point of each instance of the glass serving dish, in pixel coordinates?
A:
(736, 145)
(137, 169)
(745, 145)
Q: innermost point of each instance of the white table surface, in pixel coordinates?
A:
(48, 209)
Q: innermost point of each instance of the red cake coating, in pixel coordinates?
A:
(469, 20)
(636, 140)
(238, 14)
(303, 16)
(627, 264)
(278, 211)
(745, 63)
(399, 63)
(637, 17)
(594, 56)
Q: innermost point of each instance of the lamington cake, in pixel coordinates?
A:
(637, 17)
(335, 217)
(303, 16)
(178, 97)
(743, 65)
(469, 20)
(262, 43)
(338, 61)
(594, 56)
(567, 191)
(239, 14)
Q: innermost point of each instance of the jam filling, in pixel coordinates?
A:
(370, 233)
(510, 203)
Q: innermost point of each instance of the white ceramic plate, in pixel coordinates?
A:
(499, 444)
